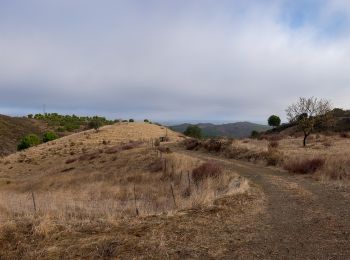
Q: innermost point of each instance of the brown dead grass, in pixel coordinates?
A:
(289, 153)
(304, 166)
(90, 187)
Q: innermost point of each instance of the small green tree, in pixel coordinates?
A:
(95, 123)
(274, 121)
(28, 141)
(193, 131)
(49, 136)
(131, 120)
(30, 116)
(146, 121)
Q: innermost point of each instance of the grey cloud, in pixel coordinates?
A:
(166, 60)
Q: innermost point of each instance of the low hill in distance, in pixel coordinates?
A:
(13, 129)
(238, 130)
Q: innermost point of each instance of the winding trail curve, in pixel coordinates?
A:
(304, 219)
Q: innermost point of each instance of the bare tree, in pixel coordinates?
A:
(309, 112)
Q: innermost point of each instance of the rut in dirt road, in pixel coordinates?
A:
(304, 219)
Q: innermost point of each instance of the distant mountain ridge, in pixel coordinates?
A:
(238, 129)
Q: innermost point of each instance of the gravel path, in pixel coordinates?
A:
(304, 219)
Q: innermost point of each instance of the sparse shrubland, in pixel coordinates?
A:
(324, 156)
(70, 123)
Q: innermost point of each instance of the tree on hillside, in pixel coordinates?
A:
(274, 121)
(193, 131)
(95, 123)
(309, 112)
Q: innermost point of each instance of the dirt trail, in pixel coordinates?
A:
(304, 219)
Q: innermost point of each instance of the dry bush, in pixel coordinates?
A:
(209, 169)
(191, 144)
(273, 157)
(89, 156)
(327, 142)
(298, 135)
(156, 165)
(336, 168)
(113, 149)
(71, 160)
(344, 135)
(212, 145)
(164, 149)
(272, 137)
(156, 143)
(304, 166)
(273, 144)
(131, 145)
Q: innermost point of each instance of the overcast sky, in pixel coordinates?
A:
(172, 60)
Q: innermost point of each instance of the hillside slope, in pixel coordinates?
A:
(12, 129)
(239, 129)
(94, 194)
(79, 144)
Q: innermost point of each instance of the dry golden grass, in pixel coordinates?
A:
(122, 184)
(334, 149)
(94, 182)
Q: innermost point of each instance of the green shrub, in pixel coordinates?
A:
(60, 129)
(95, 124)
(49, 136)
(254, 134)
(131, 120)
(28, 141)
(193, 131)
(146, 121)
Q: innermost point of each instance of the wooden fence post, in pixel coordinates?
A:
(34, 204)
(136, 209)
(172, 192)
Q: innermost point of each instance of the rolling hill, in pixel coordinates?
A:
(238, 130)
(12, 129)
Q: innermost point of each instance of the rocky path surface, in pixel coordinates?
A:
(303, 218)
